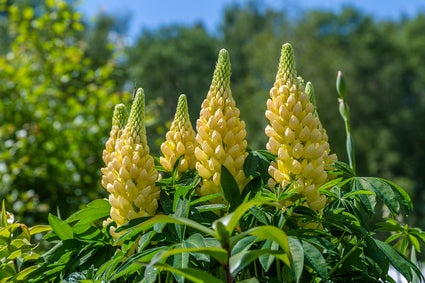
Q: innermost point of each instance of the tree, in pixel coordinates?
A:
(55, 110)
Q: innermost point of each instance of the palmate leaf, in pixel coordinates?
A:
(379, 187)
(313, 258)
(401, 263)
(393, 196)
(343, 169)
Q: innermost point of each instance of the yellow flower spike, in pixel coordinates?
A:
(221, 133)
(130, 175)
(296, 134)
(180, 140)
(119, 120)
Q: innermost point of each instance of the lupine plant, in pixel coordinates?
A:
(219, 211)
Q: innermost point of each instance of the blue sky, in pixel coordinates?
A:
(153, 14)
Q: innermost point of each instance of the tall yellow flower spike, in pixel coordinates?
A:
(119, 120)
(180, 140)
(130, 176)
(221, 134)
(296, 135)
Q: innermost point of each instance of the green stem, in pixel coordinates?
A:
(344, 258)
(255, 270)
(279, 275)
(345, 114)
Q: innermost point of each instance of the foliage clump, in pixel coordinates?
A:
(255, 233)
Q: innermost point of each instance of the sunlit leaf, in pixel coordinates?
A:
(194, 275)
(60, 227)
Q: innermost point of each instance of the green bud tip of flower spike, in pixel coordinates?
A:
(182, 112)
(309, 90)
(136, 121)
(222, 71)
(287, 64)
(120, 116)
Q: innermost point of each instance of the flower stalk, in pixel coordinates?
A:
(180, 141)
(220, 133)
(129, 175)
(296, 135)
(344, 111)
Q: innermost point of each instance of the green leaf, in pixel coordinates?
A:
(219, 254)
(210, 207)
(24, 273)
(106, 270)
(359, 192)
(393, 237)
(174, 220)
(95, 210)
(398, 261)
(413, 259)
(132, 264)
(319, 242)
(244, 244)
(272, 233)
(182, 211)
(415, 243)
(403, 197)
(3, 215)
(297, 255)
(39, 229)
(250, 280)
(267, 260)
(250, 164)
(180, 260)
(206, 198)
(151, 273)
(197, 241)
(260, 215)
(230, 188)
(144, 240)
(313, 258)
(382, 189)
(232, 219)
(194, 275)
(239, 261)
(221, 233)
(343, 169)
(60, 227)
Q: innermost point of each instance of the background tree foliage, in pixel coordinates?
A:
(54, 110)
(56, 87)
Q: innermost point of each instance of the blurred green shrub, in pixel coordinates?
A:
(54, 110)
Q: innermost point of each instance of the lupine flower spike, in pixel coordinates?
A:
(296, 135)
(180, 140)
(220, 133)
(130, 175)
(119, 120)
